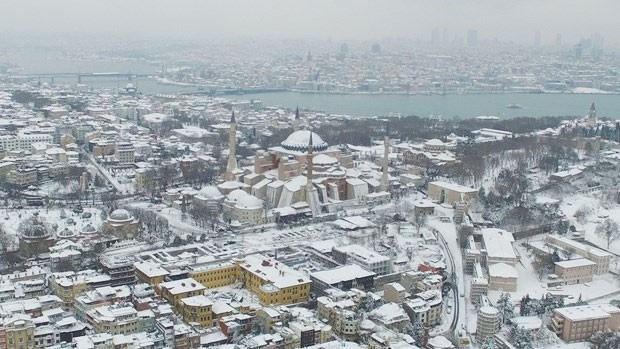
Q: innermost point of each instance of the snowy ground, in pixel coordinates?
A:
(598, 213)
(528, 283)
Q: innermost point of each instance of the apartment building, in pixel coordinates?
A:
(576, 324)
(196, 310)
(575, 271)
(598, 256)
(98, 297)
(115, 319)
(174, 291)
(367, 259)
(487, 323)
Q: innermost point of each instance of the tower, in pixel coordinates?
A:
(297, 121)
(591, 120)
(385, 184)
(232, 145)
(311, 194)
(309, 170)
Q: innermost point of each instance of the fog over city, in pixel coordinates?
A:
(505, 20)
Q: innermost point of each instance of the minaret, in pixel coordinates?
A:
(297, 121)
(232, 145)
(591, 121)
(385, 182)
(311, 194)
(309, 186)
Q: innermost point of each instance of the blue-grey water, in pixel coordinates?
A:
(464, 106)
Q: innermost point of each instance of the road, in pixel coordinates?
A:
(446, 232)
(104, 173)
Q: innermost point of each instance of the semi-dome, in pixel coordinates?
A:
(120, 215)
(249, 202)
(434, 142)
(323, 159)
(210, 192)
(299, 141)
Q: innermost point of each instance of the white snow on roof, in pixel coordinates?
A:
(573, 263)
(454, 187)
(497, 243)
(340, 274)
(587, 312)
(503, 270)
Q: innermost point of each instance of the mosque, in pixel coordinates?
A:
(302, 177)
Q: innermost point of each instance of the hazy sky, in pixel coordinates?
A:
(508, 20)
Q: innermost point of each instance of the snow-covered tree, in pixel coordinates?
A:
(489, 343)
(416, 331)
(505, 307)
(520, 338)
(609, 230)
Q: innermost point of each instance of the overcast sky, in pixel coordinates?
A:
(507, 20)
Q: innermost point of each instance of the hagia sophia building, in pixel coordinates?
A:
(302, 177)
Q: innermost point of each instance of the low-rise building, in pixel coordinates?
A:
(356, 254)
(503, 277)
(596, 255)
(576, 324)
(343, 278)
(196, 310)
(174, 291)
(575, 271)
(121, 318)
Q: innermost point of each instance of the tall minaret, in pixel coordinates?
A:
(232, 145)
(309, 186)
(385, 182)
(297, 121)
(591, 121)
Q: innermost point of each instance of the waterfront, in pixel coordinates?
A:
(366, 105)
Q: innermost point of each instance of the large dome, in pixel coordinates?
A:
(120, 215)
(299, 141)
(235, 195)
(249, 202)
(34, 229)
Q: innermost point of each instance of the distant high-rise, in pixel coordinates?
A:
(537, 38)
(445, 37)
(435, 36)
(344, 48)
(375, 48)
(472, 38)
(558, 39)
(578, 51)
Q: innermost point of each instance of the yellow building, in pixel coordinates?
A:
(196, 310)
(19, 332)
(174, 291)
(69, 285)
(272, 281)
(215, 274)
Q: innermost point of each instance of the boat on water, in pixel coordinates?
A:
(514, 106)
(487, 117)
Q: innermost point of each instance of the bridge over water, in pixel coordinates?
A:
(79, 76)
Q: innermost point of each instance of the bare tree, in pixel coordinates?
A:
(609, 230)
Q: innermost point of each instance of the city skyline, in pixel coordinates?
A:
(344, 20)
